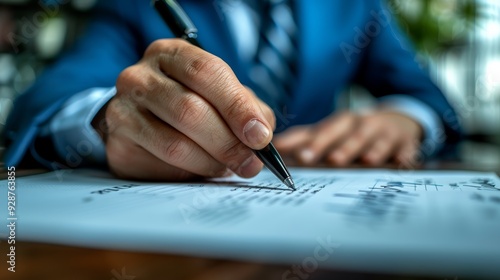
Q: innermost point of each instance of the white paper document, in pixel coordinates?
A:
(430, 222)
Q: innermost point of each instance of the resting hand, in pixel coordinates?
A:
(181, 112)
(341, 139)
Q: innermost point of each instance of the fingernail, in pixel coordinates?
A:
(307, 156)
(250, 167)
(256, 133)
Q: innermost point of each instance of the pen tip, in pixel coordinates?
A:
(289, 183)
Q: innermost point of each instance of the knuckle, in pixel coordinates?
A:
(131, 80)
(191, 111)
(233, 153)
(237, 106)
(203, 67)
(161, 46)
(175, 151)
(154, 47)
(124, 78)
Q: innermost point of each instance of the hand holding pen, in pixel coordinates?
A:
(181, 113)
(182, 27)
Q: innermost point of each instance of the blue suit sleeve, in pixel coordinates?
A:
(110, 44)
(389, 66)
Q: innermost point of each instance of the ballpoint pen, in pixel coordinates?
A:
(182, 27)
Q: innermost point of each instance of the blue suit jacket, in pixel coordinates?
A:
(341, 42)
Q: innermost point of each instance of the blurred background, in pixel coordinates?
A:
(32, 34)
(458, 40)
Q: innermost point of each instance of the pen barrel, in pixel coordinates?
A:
(273, 161)
(177, 20)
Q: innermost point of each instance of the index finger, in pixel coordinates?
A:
(213, 79)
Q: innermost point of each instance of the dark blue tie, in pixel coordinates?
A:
(274, 68)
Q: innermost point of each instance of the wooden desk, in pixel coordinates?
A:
(48, 261)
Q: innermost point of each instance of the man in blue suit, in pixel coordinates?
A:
(157, 108)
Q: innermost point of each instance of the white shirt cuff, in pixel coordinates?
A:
(74, 138)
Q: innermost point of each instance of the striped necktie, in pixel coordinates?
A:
(274, 68)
